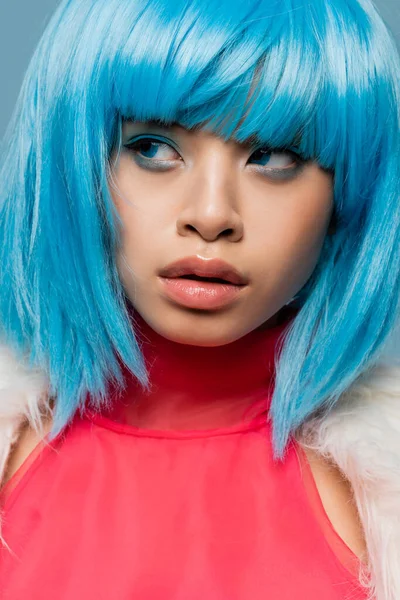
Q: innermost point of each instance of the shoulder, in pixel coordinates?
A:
(362, 431)
(24, 403)
(361, 435)
(27, 439)
(336, 495)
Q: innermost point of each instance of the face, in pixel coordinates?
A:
(182, 193)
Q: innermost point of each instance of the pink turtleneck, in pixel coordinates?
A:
(174, 495)
(197, 387)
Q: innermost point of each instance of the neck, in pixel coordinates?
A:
(197, 387)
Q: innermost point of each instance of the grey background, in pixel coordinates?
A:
(22, 23)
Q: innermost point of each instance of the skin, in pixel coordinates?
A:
(212, 198)
(214, 202)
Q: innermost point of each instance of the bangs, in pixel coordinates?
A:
(279, 74)
(244, 79)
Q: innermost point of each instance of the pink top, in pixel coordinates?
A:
(175, 496)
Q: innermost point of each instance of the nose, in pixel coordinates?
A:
(212, 210)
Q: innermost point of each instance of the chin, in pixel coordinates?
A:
(196, 329)
(205, 338)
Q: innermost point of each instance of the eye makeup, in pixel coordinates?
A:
(153, 141)
(159, 145)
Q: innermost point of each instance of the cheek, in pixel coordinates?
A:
(138, 247)
(141, 217)
(291, 235)
(305, 232)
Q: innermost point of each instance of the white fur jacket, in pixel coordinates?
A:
(361, 434)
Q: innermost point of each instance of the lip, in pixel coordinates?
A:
(194, 265)
(202, 294)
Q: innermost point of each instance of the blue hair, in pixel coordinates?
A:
(323, 74)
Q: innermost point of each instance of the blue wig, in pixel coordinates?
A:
(323, 73)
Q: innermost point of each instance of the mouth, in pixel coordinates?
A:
(201, 293)
(193, 267)
(200, 283)
(193, 277)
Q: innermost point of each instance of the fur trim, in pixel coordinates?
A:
(361, 434)
(23, 398)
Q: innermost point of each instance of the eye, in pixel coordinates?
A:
(157, 154)
(152, 152)
(278, 162)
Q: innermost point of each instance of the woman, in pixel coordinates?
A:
(200, 267)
